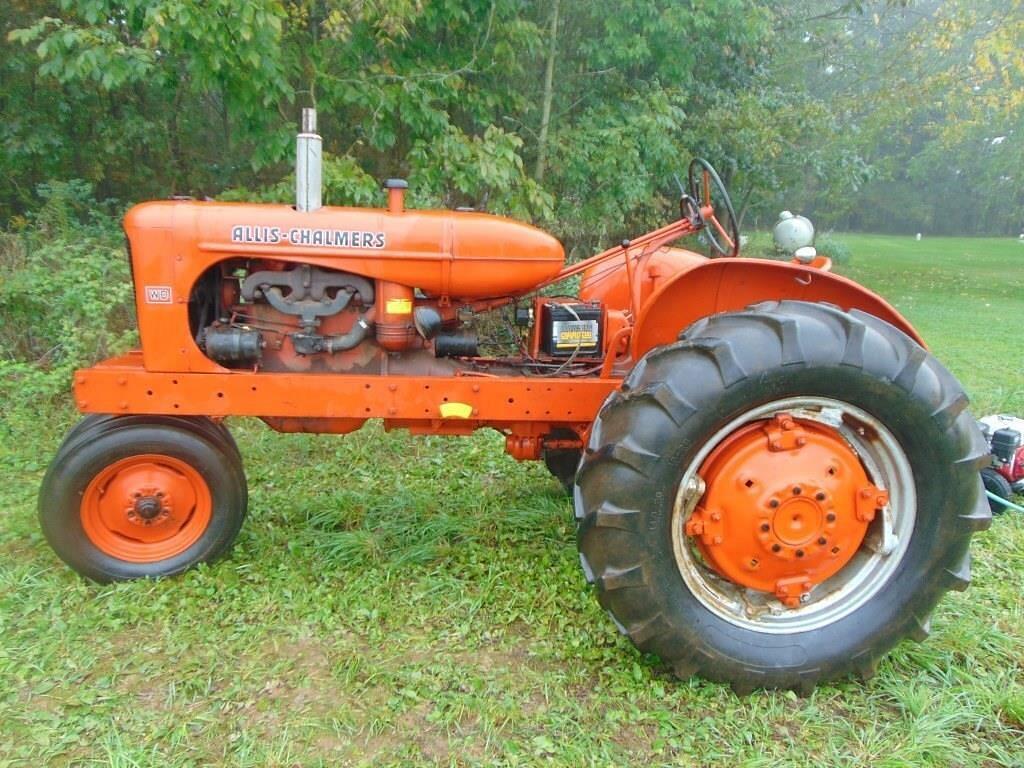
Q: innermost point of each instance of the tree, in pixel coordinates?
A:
(798, 104)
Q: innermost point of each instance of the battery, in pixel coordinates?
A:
(571, 329)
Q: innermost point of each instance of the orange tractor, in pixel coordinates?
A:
(774, 481)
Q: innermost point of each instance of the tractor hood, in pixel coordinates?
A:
(463, 255)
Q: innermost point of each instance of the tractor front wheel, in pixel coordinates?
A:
(781, 496)
(132, 497)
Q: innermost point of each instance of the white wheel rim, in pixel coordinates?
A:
(868, 571)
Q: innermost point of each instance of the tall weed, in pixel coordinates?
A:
(65, 293)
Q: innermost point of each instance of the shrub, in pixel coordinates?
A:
(65, 292)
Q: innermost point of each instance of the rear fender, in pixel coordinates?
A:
(724, 285)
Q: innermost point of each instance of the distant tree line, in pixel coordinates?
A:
(889, 116)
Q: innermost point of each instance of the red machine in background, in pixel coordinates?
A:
(1005, 476)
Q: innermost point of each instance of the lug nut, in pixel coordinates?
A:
(776, 547)
(797, 490)
(765, 527)
(831, 517)
(822, 540)
(819, 496)
(773, 503)
(799, 553)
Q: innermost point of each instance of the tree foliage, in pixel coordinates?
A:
(931, 99)
(844, 109)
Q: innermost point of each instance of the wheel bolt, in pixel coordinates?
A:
(765, 527)
(819, 496)
(830, 517)
(797, 490)
(799, 553)
(776, 548)
(773, 503)
(822, 540)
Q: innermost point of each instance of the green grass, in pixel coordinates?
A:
(396, 600)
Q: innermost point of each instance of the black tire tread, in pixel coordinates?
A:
(995, 483)
(91, 425)
(861, 341)
(58, 519)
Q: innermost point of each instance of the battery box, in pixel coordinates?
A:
(568, 329)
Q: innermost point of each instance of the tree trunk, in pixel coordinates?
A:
(744, 203)
(549, 83)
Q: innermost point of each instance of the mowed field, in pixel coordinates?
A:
(417, 601)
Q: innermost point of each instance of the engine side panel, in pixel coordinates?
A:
(445, 254)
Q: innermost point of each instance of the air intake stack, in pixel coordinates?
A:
(308, 164)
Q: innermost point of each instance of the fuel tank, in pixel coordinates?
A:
(462, 255)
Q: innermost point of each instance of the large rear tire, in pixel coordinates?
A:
(862, 394)
(142, 496)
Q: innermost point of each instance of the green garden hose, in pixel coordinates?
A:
(1004, 502)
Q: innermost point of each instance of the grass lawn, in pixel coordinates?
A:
(396, 600)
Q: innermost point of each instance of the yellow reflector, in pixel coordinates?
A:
(456, 411)
(398, 306)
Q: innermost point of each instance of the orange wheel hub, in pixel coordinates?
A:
(146, 508)
(787, 505)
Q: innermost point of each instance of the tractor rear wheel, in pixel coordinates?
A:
(142, 496)
(781, 496)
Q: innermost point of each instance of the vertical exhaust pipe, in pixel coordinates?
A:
(396, 194)
(308, 164)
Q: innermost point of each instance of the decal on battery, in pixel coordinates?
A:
(320, 238)
(569, 334)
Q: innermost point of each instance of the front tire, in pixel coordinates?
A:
(134, 497)
(883, 413)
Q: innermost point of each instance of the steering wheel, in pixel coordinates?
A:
(720, 228)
